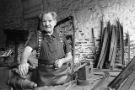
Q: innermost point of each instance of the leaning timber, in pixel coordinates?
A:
(105, 46)
(113, 49)
(128, 82)
(115, 84)
(99, 41)
(102, 82)
(121, 42)
(103, 50)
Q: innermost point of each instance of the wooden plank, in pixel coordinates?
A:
(112, 62)
(105, 70)
(104, 49)
(123, 75)
(120, 30)
(132, 87)
(112, 73)
(113, 47)
(102, 82)
(128, 48)
(129, 81)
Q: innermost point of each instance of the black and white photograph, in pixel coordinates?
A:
(67, 44)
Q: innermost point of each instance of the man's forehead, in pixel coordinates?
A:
(48, 16)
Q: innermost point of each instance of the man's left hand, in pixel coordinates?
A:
(59, 63)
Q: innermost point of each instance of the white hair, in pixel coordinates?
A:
(53, 13)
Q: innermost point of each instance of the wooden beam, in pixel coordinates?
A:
(115, 84)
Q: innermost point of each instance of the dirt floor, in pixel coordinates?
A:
(96, 81)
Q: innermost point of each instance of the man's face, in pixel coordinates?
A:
(48, 23)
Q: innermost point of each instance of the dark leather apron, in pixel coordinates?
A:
(48, 75)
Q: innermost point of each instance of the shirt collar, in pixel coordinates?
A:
(53, 35)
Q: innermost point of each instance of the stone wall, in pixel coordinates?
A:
(87, 15)
(11, 17)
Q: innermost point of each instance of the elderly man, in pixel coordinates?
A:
(54, 53)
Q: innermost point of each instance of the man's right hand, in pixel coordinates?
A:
(23, 68)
